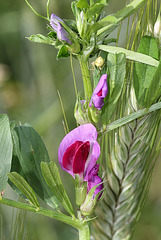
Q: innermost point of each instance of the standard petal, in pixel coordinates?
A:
(85, 132)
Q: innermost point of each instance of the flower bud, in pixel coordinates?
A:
(62, 34)
(94, 191)
(157, 27)
(95, 114)
(99, 93)
(90, 203)
(81, 111)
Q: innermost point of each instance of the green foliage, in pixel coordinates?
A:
(147, 79)
(82, 4)
(31, 151)
(24, 187)
(52, 177)
(128, 10)
(39, 38)
(131, 55)
(116, 69)
(96, 9)
(63, 52)
(5, 150)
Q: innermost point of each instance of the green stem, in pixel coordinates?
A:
(82, 227)
(48, 213)
(84, 232)
(86, 76)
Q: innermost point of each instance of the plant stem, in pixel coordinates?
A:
(86, 76)
(84, 232)
(82, 227)
(42, 211)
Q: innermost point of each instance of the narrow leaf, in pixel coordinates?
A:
(135, 56)
(5, 150)
(133, 116)
(39, 38)
(24, 187)
(52, 177)
(120, 15)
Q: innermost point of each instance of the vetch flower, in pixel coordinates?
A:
(94, 191)
(62, 34)
(93, 180)
(99, 93)
(79, 151)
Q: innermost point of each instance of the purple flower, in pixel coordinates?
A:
(93, 180)
(99, 93)
(62, 34)
(79, 151)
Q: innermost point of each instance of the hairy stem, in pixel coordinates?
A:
(84, 232)
(86, 76)
(45, 212)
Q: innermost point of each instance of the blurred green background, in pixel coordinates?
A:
(30, 76)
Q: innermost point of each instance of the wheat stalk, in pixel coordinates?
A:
(131, 156)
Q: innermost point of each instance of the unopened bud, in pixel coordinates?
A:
(90, 203)
(95, 114)
(81, 111)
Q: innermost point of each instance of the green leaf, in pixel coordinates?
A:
(52, 177)
(127, 119)
(134, 56)
(5, 150)
(154, 90)
(63, 52)
(120, 15)
(24, 187)
(39, 38)
(117, 69)
(143, 75)
(82, 4)
(102, 23)
(96, 8)
(31, 151)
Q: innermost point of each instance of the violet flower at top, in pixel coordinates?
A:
(99, 93)
(62, 34)
(79, 151)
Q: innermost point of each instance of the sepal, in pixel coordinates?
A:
(80, 190)
(81, 113)
(90, 203)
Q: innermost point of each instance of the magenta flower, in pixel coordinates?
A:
(99, 93)
(93, 180)
(62, 34)
(79, 151)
